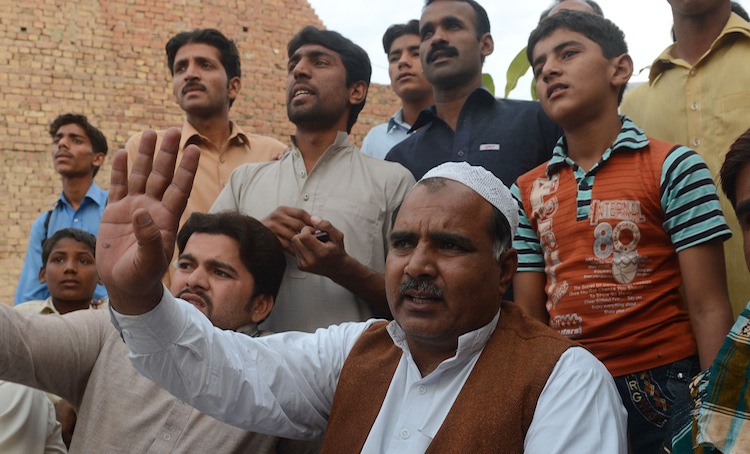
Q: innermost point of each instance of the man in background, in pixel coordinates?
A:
(329, 204)
(206, 80)
(78, 150)
(401, 45)
(698, 94)
(467, 123)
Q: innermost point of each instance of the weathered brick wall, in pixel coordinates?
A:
(106, 60)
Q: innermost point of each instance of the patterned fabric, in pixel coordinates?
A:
(607, 240)
(724, 417)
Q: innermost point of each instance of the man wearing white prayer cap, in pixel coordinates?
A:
(458, 370)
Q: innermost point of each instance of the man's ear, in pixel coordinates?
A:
(235, 85)
(262, 305)
(622, 70)
(99, 159)
(508, 262)
(486, 45)
(42, 275)
(357, 92)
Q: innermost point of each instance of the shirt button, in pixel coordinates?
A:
(306, 197)
(404, 433)
(75, 219)
(694, 106)
(422, 389)
(696, 142)
(302, 173)
(460, 152)
(167, 437)
(692, 72)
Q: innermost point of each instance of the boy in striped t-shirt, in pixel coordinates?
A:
(613, 225)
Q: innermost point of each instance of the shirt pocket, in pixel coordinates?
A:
(732, 117)
(361, 223)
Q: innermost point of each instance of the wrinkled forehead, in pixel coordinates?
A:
(441, 197)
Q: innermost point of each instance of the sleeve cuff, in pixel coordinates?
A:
(154, 331)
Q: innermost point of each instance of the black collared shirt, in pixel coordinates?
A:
(507, 137)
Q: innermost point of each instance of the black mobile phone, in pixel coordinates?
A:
(321, 236)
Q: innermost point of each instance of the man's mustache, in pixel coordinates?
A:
(426, 287)
(449, 51)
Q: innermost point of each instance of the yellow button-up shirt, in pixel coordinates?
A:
(705, 106)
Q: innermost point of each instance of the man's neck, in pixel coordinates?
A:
(449, 102)
(63, 307)
(411, 109)
(75, 189)
(215, 128)
(313, 143)
(251, 329)
(428, 357)
(695, 34)
(588, 142)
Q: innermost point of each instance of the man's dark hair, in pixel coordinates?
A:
(596, 28)
(740, 11)
(396, 31)
(595, 6)
(79, 235)
(735, 160)
(499, 227)
(260, 250)
(228, 53)
(355, 60)
(98, 141)
(482, 20)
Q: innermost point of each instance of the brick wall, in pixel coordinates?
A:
(106, 60)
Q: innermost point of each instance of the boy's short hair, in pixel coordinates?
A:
(396, 31)
(602, 31)
(737, 157)
(355, 60)
(96, 137)
(79, 235)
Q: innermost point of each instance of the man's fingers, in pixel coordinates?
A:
(164, 164)
(151, 254)
(143, 162)
(118, 182)
(176, 196)
(300, 216)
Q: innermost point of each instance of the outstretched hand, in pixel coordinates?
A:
(139, 226)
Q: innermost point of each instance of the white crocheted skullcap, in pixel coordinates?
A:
(484, 183)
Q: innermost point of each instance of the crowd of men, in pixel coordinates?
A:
(485, 275)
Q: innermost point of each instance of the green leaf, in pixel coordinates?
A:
(516, 70)
(488, 82)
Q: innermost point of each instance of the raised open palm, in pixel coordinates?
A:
(138, 228)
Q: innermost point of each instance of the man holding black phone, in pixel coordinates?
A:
(329, 205)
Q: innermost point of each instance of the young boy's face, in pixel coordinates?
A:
(573, 78)
(70, 271)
